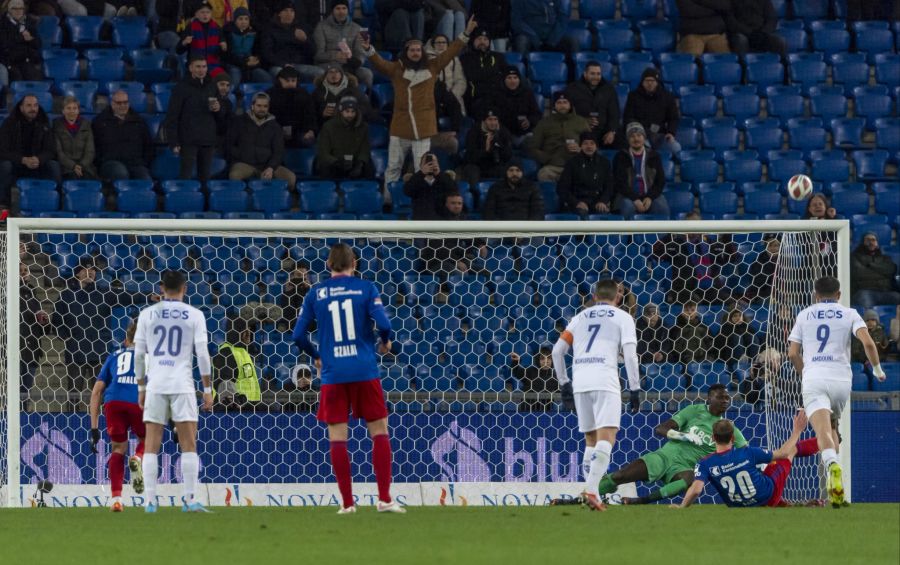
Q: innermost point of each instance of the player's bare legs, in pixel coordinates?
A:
(340, 462)
(630, 473)
(381, 462)
(150, 462)
(825, 437)
(598, 452)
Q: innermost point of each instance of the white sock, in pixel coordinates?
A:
(599, 465)
(829, 456)
(190, 470)
(586, 461)
(150, 467)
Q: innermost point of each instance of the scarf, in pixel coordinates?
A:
(73, 127)
(640, 180)
(335, 90)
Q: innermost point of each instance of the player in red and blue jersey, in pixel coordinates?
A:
(117, 387)
(344, 308)
(735, 475)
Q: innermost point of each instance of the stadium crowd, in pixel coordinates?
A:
(280, 109)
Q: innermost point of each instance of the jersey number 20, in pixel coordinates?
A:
(335, 309)
(744, 484)
(174, 341)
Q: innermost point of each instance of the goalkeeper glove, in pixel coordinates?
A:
(688, 437)
(635, 401)
(568, 397)
(878, 373)
(95, 439)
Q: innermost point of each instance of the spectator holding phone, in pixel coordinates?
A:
(428, 189)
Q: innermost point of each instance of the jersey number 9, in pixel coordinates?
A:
(822, 334)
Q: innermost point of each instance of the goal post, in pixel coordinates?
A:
(474, 306)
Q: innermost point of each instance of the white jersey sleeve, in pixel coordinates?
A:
(597, 335)
(170, 331)
(824, 331)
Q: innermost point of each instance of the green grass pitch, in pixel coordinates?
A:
(863, 533)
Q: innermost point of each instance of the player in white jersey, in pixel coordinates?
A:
(820, 352)
(596, 335)
(168, 336)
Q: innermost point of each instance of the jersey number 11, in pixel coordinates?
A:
(335, 309)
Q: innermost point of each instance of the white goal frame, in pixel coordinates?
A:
(319, 228)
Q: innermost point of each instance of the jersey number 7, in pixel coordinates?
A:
(594, 329)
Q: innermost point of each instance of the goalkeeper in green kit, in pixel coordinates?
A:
(690, 439)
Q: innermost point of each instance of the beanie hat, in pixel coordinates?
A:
(336, 3)
(347, 103)
(635, 127)
(560, 95)
(587, 136)
(238, 12)
(651, 72)
(512, 70)
(288, 72)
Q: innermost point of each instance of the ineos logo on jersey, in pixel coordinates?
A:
(825, 315)
(173, 314)
(600, 313)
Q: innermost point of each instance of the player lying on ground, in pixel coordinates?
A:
(117, 387)
(820, 352)
(169, 334)
(345, 309)
(734, 473)
(596, 335)
(690, 439)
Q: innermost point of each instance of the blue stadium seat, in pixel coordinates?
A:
(829, 40)
(679, 69)
(272, 199)
(132, 184)
(783, 169)
(807, 72)
(849, 203)
(88, 185)
(614, 38)
(764, 70)
(103, 53)
(260, 184)
(887, 197)
(741, 105)
(784, 103)
(887, 133)
(873, 41)
(806, 137)
(181, 201)
(49, 31)
(254, 216)
(106, 69)
(827, 106)
(84, 201)
(718, 202)
(379, 161)
(630, 72)
(865, 223)
(871, 106)
(699, 170)
(84, 91)
(796, 39)
(870, 164)
(847, 132)
(698, 101)
(680, 202)
(62, 68)
(743, 170)
(722, 72)
(763, 138)
(226, 201)
(849, 69)
(149, 66)
(582, 36)
(762, 202)
(829, 170)
(130, 32)
(363, 202)
(688, 136)
(179, 185)
(639, 9)
(887, 69)
(37, 200)
(721, 138)
(318, 199)
(811, 9)
(597, 9)
(656, 37)
(84, 31)
(136, 201)
(300, 161)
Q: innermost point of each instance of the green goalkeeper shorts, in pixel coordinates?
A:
(664, 464)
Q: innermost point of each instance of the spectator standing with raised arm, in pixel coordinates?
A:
(20, 45)
(638, 177)
(74, 142)
(122, 141)
(872, 274)
(27, 147)
(414, 121)
(555, 138)
(585, 185)
(337, 41)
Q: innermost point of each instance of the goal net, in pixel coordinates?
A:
(475, 307)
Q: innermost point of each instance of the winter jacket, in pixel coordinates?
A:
(452, 76)
(623, 175)
(75, 149)
(447, 106)
(127, 141)
(652, 339)
(542, 21)
(293, 108)
(483, 72)
(500, 153)
(548, 144)
(510, 104)
(324, 94)
(30, 330)
(601, 102)
(223, 10)
(655, 111)
(280, 47)
(311, 12)
(494, 16)
(428, 199)
(585, 179)
(749, 16)
(339, 138)
(692, 341)
(21, 138)
(14, 50)
(259, 143)
(205, 43)
(702, 17)
(871, 271)
(414, 108)
(858, 352)
(189, 121)
(174, 15)
(329, 33)
(505, 202)
(734, 341)
(241, 45)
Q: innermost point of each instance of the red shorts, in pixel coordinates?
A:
(778, 471)
(365, 398)
(120, 416)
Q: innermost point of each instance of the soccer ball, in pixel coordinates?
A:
(799, 187)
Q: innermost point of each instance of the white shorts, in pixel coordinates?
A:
(831, 395)
(598, 409)
(160, 408)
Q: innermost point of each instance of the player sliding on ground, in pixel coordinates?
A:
(734, 473)
(344, 309)
(820, 352)
(596, 335)
(690, 438)
(169, 334)
(116, 386)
